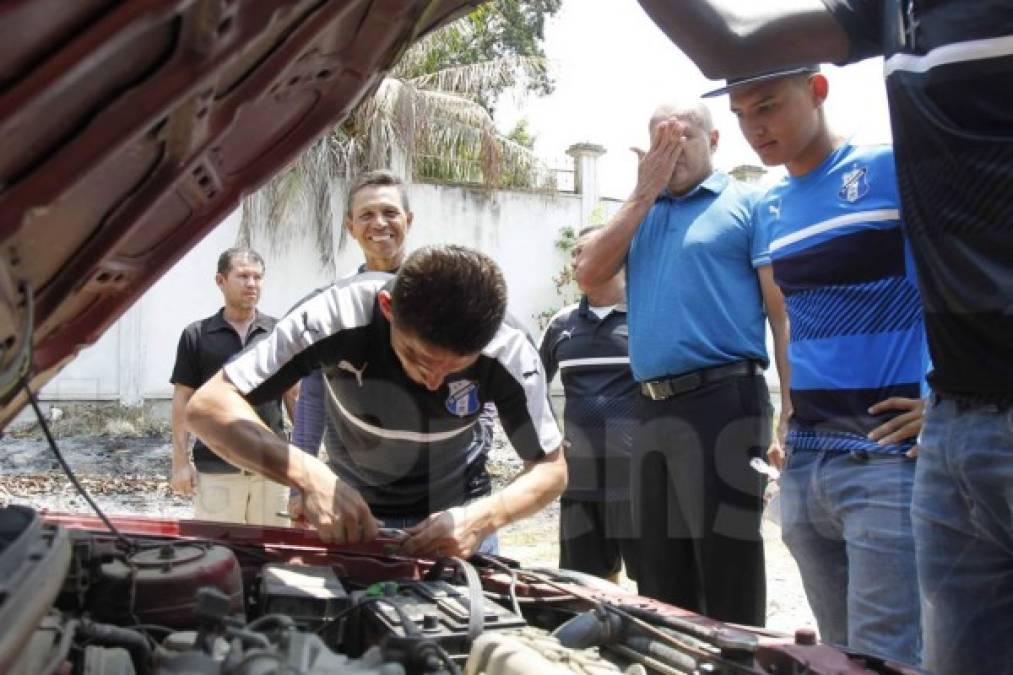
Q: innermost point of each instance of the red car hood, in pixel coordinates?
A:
(130, 129)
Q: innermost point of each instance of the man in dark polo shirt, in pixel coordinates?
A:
(587, 344)
(408, 362)
(949, 73)
(223, 492)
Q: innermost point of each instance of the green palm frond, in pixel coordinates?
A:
(430, 111)
(472, 79)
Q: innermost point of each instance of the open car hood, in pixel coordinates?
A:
(130, 129)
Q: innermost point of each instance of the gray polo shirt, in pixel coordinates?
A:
(405, 447)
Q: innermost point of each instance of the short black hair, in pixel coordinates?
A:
(588, 230)
(228, 258)
(450, 296)
(375, 178)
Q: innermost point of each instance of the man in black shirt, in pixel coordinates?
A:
(408, 362)
(949, 74)
(223, 492)
(587, 344)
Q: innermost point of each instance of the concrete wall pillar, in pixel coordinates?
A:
(585, 176)
(131, 355)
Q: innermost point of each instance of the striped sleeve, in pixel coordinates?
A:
(546, 353)
(270, 367)
(308, 426)
(546, 349)
(520, 391)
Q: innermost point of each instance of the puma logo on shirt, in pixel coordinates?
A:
(306, 325)
(345, 365)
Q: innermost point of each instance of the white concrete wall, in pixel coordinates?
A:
(518, 229)
(134, 359)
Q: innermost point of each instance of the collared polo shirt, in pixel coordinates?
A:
(694, 296)
(857, 335)
(313, 425)
(405, 448)
(949, 74)
(204, 347)
(311, 420)
(591, 355)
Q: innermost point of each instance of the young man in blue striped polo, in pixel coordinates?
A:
(858, 359)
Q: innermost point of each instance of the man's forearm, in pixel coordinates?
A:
(290, 399)
(180, 446)
(532, 490)
(227, 424)
(727, 38)
(605, 253)
(783, 369)
(780, 329)
(180, 435)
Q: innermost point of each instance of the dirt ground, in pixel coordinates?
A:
(126, 473)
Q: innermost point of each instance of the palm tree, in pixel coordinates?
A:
(429, 122)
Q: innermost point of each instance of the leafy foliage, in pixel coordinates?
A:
(499, 29)
(431, 118)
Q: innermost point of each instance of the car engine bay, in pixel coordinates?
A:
(157, 597)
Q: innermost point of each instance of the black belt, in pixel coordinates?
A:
(1001, 400)
(667, 387)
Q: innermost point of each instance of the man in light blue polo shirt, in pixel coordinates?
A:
(698, 278)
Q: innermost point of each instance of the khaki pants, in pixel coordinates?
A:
(240, 498)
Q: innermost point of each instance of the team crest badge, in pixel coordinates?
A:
(463, 399)
(774, 209)
(854, 184)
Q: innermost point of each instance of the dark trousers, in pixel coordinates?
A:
(697, 503)
(595, 537)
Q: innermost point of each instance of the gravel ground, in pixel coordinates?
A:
(129, 476)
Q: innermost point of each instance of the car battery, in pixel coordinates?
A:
(439, 610)
(311, 595)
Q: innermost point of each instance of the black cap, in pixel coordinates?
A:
(733, 82)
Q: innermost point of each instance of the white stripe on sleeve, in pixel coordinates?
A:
(512, 349)
(876, 216)
(958, 52)
(344, 305)
(596, 361)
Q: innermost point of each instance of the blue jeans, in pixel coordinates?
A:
(489, 545)
(963, 519)
(847, 522)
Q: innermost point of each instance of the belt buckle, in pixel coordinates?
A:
(657, 390)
